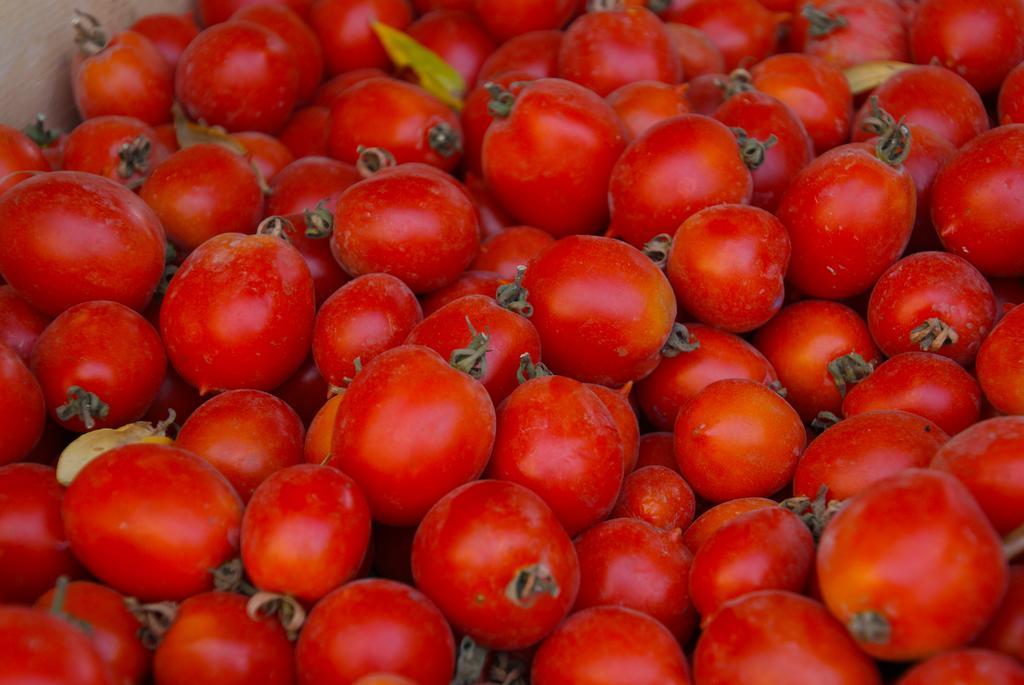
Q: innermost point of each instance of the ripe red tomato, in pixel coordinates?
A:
(265, 152)
(33, 545)
(307, 233)
(982, 40)
(476, 117)
(618, 404)
(1011, 97)
(113, 376)
(307, 182)
(398, 398)
(708, 523)
(738, 438)
(850, 32)
(344, 30)
(602, 308)
(912, 566)
(1005, 632)
(999, 365)
(743, 30)
(505, 252)
(819, 349)
(548, 155)
(411, 221)
(317, 447)
(656, 449)
(716, 355)
(469, 283)
(20, 324)
(132, 520)
(125, 75)
(169, 33)
(305, 390)
(458, 37)
(215, 11)
(305, 132)
(239, 75)
(744, 643)
(815, 90)
(557, 438)
(372, 626)
(698, 55)
(121, 148)
(853, 455)
(507, 19)
(609, 645)
(299, 38)
(534, 53)
(496, 561)
(975, 206)
(976, 666)
(203, 191)
(238, 313)
(325, 508)
(656, 495)
(22, 408)
(366, 316)
(112, 627)
(99, 237)
(749, 291)
(213, 637)
(38, 647)
(642, 104)
(921, 383)
(645, 193)
(18, 154)
(928, 154)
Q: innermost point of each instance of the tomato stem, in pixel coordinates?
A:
(373, 159)
(529, 583)
(658, 6)
(739, 81)
(820, 22)
(155, 618)
(287, 609)
(752, 150)
(85, 405)
(933, 334)
(89, 34)
(679, 340)
(814, 513)
(319, 221)
(824, 420)
(528, 370)
(779, 388)
(444, 140)
(657, 249)
(230, 577)
(40, 135)
(133, 157)
(870, 627)
(606, 5)
(470, 662)
(514, 297)
(849, 369)
(275, 227)
(60, 595)
(501, 102)
(472, 358)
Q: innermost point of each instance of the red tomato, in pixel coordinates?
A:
(933, 301)
(975, 666)
(738, 438)
(305, 132)
(624, 417)
(121, 148)
(911, 566)
(743, 30)
(20, 324)
(610, 645)
(476, 117)
(975, 205)
(726, 266)
(534, 52)
(853, 455)
(113, 376)
(497, 562)
(819, 349)
(329, 91)
(33, 545)
(505, 252)
(238, 313)
(305, 391)
(656, 495)
(928, 154)
(716, 355)
(602, 308)
(697, 53)
(645, 194)
(548, 155)
(457, 37)
(999, 365)
(815, 90)
(216, 11)
(921, 383)
(126, 75)
(708, 523)
(169, 33)
(655, 449)
(214, 638)
(557, 438)
(302, 43)
(18, 154)
(849, 32)
(71, 237)
(112, 627)
(1011, 98)
(22, 408)
(39, 647)
(344, 30)
(493, 218)
(411, 221)
(308, 233)
(642, 104)
(317, 447)
(371, 626)
(133, 521)
(174, 395)
(247, 435)
(265, 152)
(745, 642)
(469, 283)
(305, 183)
(507, 19)
(982, 40)
(398, 398)
(1005, 632)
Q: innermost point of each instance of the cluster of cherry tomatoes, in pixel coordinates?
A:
(361, 342)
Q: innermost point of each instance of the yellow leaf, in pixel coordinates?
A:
(869, 75)
(436, 76)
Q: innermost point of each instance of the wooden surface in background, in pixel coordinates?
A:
(36, 45)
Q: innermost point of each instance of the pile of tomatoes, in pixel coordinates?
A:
(368, 342)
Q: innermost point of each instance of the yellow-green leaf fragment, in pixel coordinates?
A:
(436, 76)
(869, 75)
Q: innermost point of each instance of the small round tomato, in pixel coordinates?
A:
(928, 154)
(912, 566)
(305, 390)
(854, 454)
(203, 191)
(606, 645)
(345, 31)
(657, 449)
(33, 544)
(505, 252)
(39, 647)
(367, 316)
(744, 30)
(727, 265)
(121, 148)
(982, 40)
(20, 324)
(819, 349)
(22, 408)
(604, 311)
(999, 365)
(1011, 97)
(18, 153)
(112, 627)
(308, 233)
(330, 89)
(714, 355)
(469, 283)
(534, 53)
(933, 301)
(743, 643)
(174, 395)
(645, 194)
(169, 33)
(497, 562)
(214, 637)
(299, 38)
(411, 221)
(398, 398)
(620, 408)
(239, 75)
(507, 19)
(305, 183)
(656, 495)
(71, 237)
(305, 132)
(239, 313)
(1005, 632)
(215, 11)
(975, 666)
(265, 152)
(642, 104)
(317, 448)
(476, 117)
(132, 520)
(708, 523)
(738, 438)
(851, 32)
(373, 626)
(921, 383)
(548, 155)
(113, 376)
(457, 37)
(698, 55)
